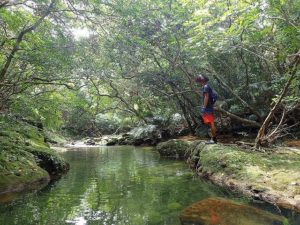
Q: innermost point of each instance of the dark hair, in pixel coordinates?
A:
(201, 78)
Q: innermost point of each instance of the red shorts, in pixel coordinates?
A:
(208, 118)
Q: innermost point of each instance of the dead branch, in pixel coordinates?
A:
(294, 68)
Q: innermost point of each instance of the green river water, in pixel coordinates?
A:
(117, 185)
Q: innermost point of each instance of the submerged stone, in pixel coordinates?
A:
(219, 211)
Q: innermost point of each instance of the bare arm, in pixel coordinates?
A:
(206, 96)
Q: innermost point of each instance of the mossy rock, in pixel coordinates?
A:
(112, 141)
(173, 148)
(195, 148)
(48, 160)
(260, 175)
(25, 158)
(18, 170)
(223, 159)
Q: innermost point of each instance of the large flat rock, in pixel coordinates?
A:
(220, 211)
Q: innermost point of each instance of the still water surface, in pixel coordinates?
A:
(116, 185)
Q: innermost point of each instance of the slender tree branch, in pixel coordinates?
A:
(216, 76)
(20, 38)
(235, 117)
(294, 64)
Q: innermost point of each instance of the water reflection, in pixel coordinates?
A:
(114, 185)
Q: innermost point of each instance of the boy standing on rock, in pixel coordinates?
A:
(208, 99)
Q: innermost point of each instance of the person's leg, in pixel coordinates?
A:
(213, 129)
(213, 133)
(209, 119)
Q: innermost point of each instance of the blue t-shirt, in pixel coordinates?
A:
(209, 106)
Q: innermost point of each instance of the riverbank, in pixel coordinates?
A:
(273, 177)
(25, 156)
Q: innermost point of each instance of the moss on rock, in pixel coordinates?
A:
(48, 160)
(173, 148)
(18, 169)
(273, 177)
(25, 157)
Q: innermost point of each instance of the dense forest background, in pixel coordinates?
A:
(86, 68)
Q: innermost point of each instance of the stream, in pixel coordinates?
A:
(118, 185)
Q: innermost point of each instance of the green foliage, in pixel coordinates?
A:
(139, 59)
(107, 124)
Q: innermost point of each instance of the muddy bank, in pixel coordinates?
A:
(25, 156)
(271, 177)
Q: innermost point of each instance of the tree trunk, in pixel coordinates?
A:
(182, 106)
(262, 130)
(235, 117)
